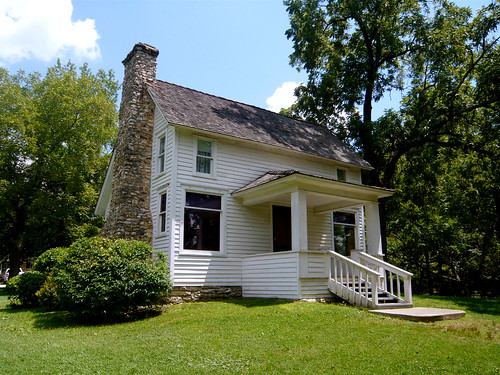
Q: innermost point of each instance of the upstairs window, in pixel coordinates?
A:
(202, 222)
(204, 157)
(341, 174)
(162, 214)
(161, 154)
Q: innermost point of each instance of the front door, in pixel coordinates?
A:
(282, 228)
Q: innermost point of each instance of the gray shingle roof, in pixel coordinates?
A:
(276, 175)
(195, 109)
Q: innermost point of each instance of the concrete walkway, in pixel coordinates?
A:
(421, 314)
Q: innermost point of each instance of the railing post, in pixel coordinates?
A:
(407, 286)
(375, 292)
(335, 268)
(399, 286)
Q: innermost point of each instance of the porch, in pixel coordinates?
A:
(360, 276)
(366, 281)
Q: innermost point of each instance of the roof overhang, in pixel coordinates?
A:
(106, 189)
(323, 194)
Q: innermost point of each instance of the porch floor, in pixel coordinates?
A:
(421, 314)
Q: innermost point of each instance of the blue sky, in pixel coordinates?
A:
(232, 48)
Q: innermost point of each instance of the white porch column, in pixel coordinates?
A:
(373, 235)
(299, 220)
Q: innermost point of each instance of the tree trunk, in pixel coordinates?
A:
(17, 243)
(15, 260)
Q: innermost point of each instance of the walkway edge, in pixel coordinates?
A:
(421, 314)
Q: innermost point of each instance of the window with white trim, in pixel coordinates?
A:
(204, 156)
(344, 232)
(162, 213)
(161, 153)
(202, 222)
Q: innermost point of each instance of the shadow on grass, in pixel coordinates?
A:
(56, 319)
(257, 302)
(478, 305)
(65, 319)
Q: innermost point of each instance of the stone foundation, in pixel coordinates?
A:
(203, 293)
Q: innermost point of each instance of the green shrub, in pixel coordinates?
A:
(47, 294)
(22, 288)
(104, 278)
(47, 260)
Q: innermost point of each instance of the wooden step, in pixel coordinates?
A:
(398, 305)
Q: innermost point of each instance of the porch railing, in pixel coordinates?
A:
(353, 281)
(394, 280)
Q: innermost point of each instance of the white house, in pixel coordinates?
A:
(243, 200)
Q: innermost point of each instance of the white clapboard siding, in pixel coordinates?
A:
(248, 229)
(315, 282)
(314, 288)
(319, 231)
(160, 182)
(272, 275)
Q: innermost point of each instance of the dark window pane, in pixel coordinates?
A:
(161, 162)
(341, 174)
(162, 145)
(344, 218)
(201, 229)
(203, 200)
(344, 239)
(203, 164)
(163, 222)
(204, 148)
(163, 202)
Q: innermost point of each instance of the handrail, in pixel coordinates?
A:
(353, 281)
(383, 264)
(353, 263)
(388, 273)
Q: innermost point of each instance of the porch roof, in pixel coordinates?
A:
(323, 194)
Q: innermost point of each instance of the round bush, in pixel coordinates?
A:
(22, 288)
(100, 277)
(47, 260)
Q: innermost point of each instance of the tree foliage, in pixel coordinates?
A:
(446, 62)
(55, 134)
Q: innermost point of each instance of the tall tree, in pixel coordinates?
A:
(353, 52)
(55, 135)
(446, 62)
(442, 58)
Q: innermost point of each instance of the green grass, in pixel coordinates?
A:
(254, 336)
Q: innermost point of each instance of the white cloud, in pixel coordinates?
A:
(283, 97)
(44, 30)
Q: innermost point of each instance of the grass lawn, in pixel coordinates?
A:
(255, 336)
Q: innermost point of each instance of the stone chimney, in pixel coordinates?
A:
(129, 214)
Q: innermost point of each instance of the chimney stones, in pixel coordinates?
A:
(129, 214)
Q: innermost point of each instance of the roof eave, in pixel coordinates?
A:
(298, 181)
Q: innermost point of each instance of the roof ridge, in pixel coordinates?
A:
(229, 117)
(253, 106)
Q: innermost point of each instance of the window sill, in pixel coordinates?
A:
(205, 253)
